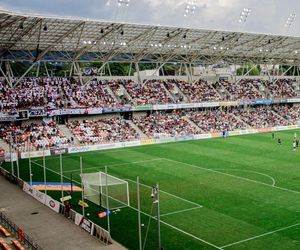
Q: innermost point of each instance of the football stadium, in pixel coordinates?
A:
(148, 136)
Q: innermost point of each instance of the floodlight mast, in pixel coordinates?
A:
(121, 9)
(190, 7)
(290, 21)
(244, 15)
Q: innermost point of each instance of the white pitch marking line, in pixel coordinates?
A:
(234, 176)
(163, 222)
(250, 171)
(261, 235)
(173, 195)
(114, 165)
(180, 211)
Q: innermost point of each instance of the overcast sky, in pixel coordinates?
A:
(267, 16)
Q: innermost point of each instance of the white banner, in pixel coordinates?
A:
(41, 197)
(53, 204)
(34, 154)
(78, 219)
(13, 157)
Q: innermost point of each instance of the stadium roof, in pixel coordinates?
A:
(40, 38)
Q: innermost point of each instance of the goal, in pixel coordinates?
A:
(95, 188)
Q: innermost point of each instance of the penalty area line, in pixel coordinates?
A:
(180, 211)
(261, 235)
(114, 165)
(173, 195)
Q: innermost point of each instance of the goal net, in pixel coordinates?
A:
(97, 187)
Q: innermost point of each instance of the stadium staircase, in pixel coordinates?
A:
(265, 91)
(168, 93)
(240, 120)
(296, 88)
(178, 94)
(4, 145)
(194, 125)
(125, 94)
(141, 134)
(64, 129)
(116, 98)
(212, 86)
(224, 93)
(278, 115)
(185, 99)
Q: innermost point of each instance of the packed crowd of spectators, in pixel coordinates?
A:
(216, 120)
(58, 92)
(158, 124)
(33, 136)
(55, 93)
(260, 117)
(282, 88)
(152, 92)
(102, 131)
(288, 112)
(199, 91)
(165, 124)
(93, 94)
(243, 90)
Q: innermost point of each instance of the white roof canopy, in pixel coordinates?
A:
(41, 38)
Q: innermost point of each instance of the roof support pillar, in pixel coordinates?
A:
(5, 75)
(137, 68)
(247, 73)
(78, 71)
(38, 69)
(156, 70)
(9, 72)
(284, 73)
(26, 72)
(108, 68)
(45, 66)
(188, 72)
(130, 69)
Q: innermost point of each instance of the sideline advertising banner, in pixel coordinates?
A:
(34, 154)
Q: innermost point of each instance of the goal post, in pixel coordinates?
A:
(95, 190)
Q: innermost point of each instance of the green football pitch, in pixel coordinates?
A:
(240, 192)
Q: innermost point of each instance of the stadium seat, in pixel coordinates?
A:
(17, 245)
(4, 231)
(4, 245)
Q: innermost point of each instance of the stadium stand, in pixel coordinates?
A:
(163, 124)
(239, 91)
(58, 92)
(40, 136)
(102, 130)
(216, 120)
